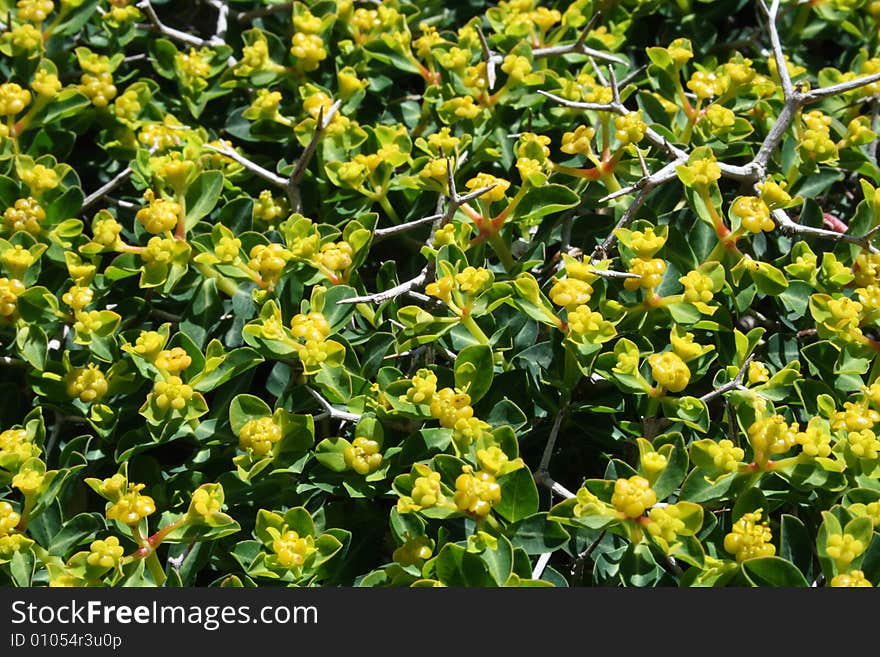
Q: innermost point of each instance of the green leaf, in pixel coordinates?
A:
(230, 365)
(329, 453)
(455, 566)
(701, 487)
(795, 543)
(773, 571)
(202, 196)
(21, 567)
(536, 534)
(33, 345)
(244, 408)
(768, 279)
(474, 371)
(336, 313)
(499, 560)
(74, 532)
(674, 473)
(541, 201)
(519, 495)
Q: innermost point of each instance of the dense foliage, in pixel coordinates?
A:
(383, 293)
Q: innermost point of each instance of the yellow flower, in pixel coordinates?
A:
(292, 550)
(669, 371)
(476, 492)
(13, 99)
(633, 496)
(851, 579)
(485, 180)
(750, 538)
(754, 214)
(630, 129)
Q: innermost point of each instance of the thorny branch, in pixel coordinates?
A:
(454, 203)
(578, 46)
(292, 187)
(542, 474)
(401, 288)
(735, 383)
(105, 189)
(253, 167)
(331, 410)
(755, 171)
(172, 33)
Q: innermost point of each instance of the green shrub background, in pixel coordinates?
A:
(338, 293)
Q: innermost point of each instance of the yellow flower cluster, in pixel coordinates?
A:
(160, 216)
(172, 394)
(292, 550)
(269, 261)
(363, 455)
(815, 143)
(259, 436)
(754, 214)
(750, 538)
(476, 492)
(844, 548)
(25, 214)
(132, 507)
(633, 496)
(86, 383)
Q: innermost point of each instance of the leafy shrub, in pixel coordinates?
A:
(334, 293)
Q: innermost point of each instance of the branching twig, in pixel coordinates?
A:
(577, 568)
(578, 47)
(733, 384)
(334, 413)
(609, 273)
(794, 100)
(618, 107)
(540, 565)
(551, 442)
(55, 433)
(544, 479)
(253, 167)
(655, 179)
(177, 562)
(815, 95)
(875, 125)
(222, 18)
(172, 33)
(601, 251)
(615, 90)
(105, 189)
(293, 194)
(391, 293)
(787, 225)
(781, 65)
(248, 16)
(384, 233)
(492, 59)
(455, 202)
(542, 474)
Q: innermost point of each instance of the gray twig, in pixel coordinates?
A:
(384, 233)
(492, 59)
(578, 46)
(253, 167)
(787, 225)
(391, 293)
(105, 189)
(334, 412)
(173, 33)
(735, 383)
(292, 187)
